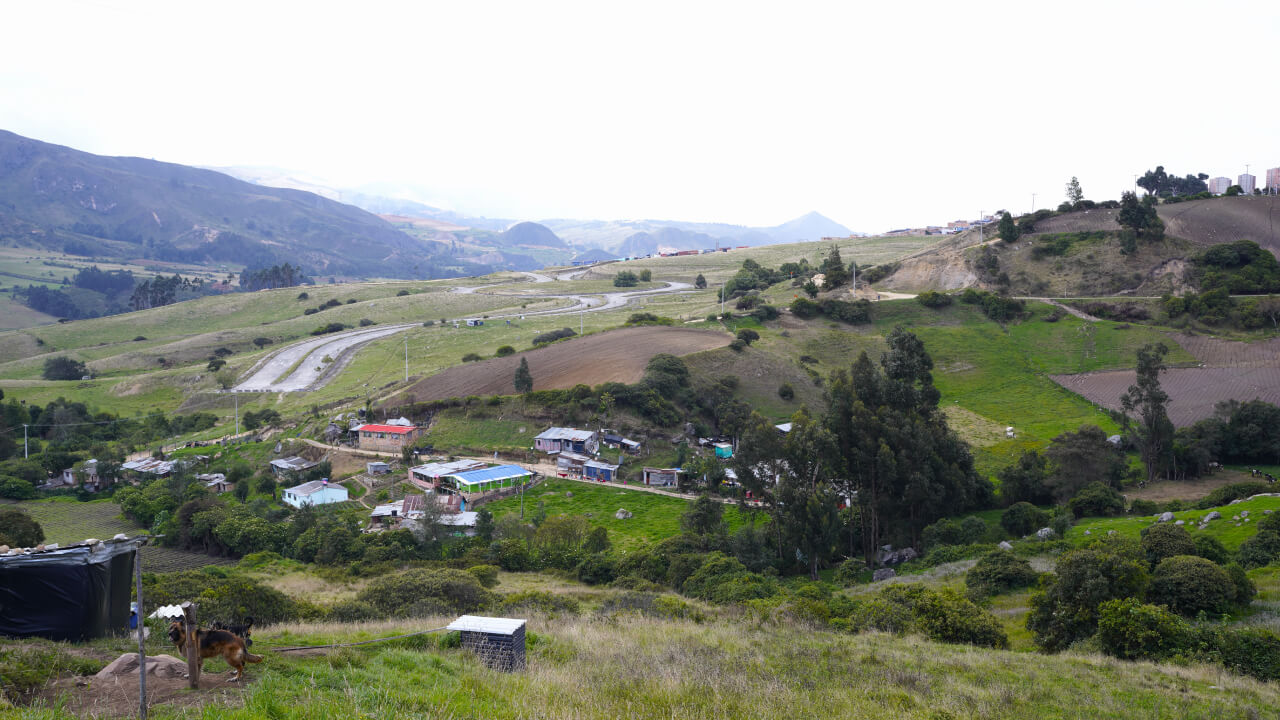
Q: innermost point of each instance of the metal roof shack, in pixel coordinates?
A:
(428, 476)
(499, 642)
(394, 429)
(487, 479)
(149, 466)
(291, 464)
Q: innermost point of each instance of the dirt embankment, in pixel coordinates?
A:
(1220, 220)
(614, 356)
(938, 267)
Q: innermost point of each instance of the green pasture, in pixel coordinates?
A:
(655, 517)
(1229, 532)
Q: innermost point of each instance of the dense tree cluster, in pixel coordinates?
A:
(276, 276)
(1161, 184)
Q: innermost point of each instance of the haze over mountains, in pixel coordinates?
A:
(58, 198)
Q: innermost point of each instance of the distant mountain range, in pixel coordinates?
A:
(58, 198)
(621, 237)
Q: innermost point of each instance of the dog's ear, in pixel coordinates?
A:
(248, 621)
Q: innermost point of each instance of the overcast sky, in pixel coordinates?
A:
(878, 115)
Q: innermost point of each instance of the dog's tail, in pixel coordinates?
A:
(250, 657)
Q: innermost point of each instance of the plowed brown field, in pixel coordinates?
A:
(1192, 391)
(614, 356)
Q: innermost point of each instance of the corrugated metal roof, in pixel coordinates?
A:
(462, 519)
(560, 433)
(314, 486)
(395, 429)
(601, 465)
(500, 472)
(496, 626)
(436, 470)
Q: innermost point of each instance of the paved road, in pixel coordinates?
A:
(268, 376)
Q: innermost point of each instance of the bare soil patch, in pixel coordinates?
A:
(1192, 391)
(1214, 352)
(1208, 222)
(1187, 489)
(614, 356)
(117, 696)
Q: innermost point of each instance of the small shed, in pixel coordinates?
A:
(724, 450)
(498, 641)
(377, 468)
(597, 470)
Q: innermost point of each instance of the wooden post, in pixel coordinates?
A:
(142, 650)
(191, 629)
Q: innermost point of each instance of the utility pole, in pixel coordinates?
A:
(237, 397)
(1033, 202)
(979, 227)
(722, 300)
(24, 441)
(406, 358)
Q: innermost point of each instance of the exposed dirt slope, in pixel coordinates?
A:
(1219, 220)
(614, 356)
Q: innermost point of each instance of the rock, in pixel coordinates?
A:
(1165, 517)
(1111, 532)
(157, 666)
(569, 494)
(1045, 533)
(883, 574)
(623, 514)
(1235, 517)
(1004, 545)
(1267, 512)
(889, 556)
(1180, 522)
(1212, 516)
(1244, 513)
(1086, 532)
(1237, 524)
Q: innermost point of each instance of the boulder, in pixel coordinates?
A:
(569, 494)
(1004, 545)
(1212, 516)
(1111, 532)
(623, 514)
(883, 574)
(1165, 517)
(1180, 522)
(1045, 533)
(1086, 532)
(1244, 513)
(157, 666)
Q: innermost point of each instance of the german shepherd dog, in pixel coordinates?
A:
(243, 630)
(214, 643)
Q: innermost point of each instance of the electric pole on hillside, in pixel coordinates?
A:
(1033, 203)
(24, 441)
(979, 227)
(237, 397)
(406, 358)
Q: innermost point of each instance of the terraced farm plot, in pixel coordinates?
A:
(1193, 392)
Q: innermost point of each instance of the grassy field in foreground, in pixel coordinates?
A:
(656, 517)
(634, 667)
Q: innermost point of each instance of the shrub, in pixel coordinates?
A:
(1023, 518)
(63, 368)
(402, 293)
(330, 328)
(511, 555)
(471, 357)
(804, 308)
(764, 313)
(625, 278)
(139, 338)
(352, 611)
(554, 335)
(487, 575)
(262, 341)
(649, 319)
(786, 392)
(946, 617)
(425, 592)
(504, 351)
(646, 276)
(1130, 630)
(998, 572)
(16, 489)
(540, 600)
(220, 598)
(1208, 547)
(365, 322)
(18, 529)
(723, 579)
(949, 531)
(1227, 493)
(596, 569)
(1143, 507)
(1189, 585)
(748, 336)
(737, 345)
(880, 613)
(1067, 610)
(1166, 540)
(1096, 499)
(934, 299)
(848, 571)
(1252, 651)
(857, 311)
(1261, 549)
(1245, 590)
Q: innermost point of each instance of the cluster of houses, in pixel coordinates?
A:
(577, 455)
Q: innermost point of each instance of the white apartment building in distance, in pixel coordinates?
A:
(1219, 185)
(1247, 183)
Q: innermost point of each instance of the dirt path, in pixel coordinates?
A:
(1065, 308)
(305, 359)
(1188, 489)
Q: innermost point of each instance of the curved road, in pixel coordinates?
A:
(300, 366)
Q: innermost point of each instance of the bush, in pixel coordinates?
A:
(16, 488)
(1143, 507)
(596, 569)
(625, 278)
(1190, 585)
(539, 600)
(365, 322)
(1130, 630)
(426, 592)
(1166, 540)
(998, 572)
(303, 296)
(511, 555)
(649, 319)
(471, 357)
(402, 293)
(18, 529)
(934, 299)
(1227, 493)
(1067, 610)
(220, 598)
(262, 341)
(487, 575)
(880, 613)
(554, 335)
(949, 531)
(737, 345)
(1261, 549)
(748, 336)
(1208, 547)
(504, 351)
(804, 308)
(764, 313)
(786, 392)
(1251, 651)
(944, 616)
(1245, 590)
(63, 368)
(848, 571)
(1097, 500)
(330, 328)
(1023, 518)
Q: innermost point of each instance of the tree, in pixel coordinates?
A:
(1140, 216)
(705, 517)
(1026, 480)
(1154, 432)
(833, 269)
(1074, 193)
(1067, 610)
(1008, 229)
(700, 282)
(523, 379)
(64, 368)
(625, 278)
(1079, 458)
(646, 275)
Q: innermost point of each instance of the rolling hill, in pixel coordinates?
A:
(58, 198)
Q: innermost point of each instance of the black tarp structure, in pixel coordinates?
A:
(73, 593)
